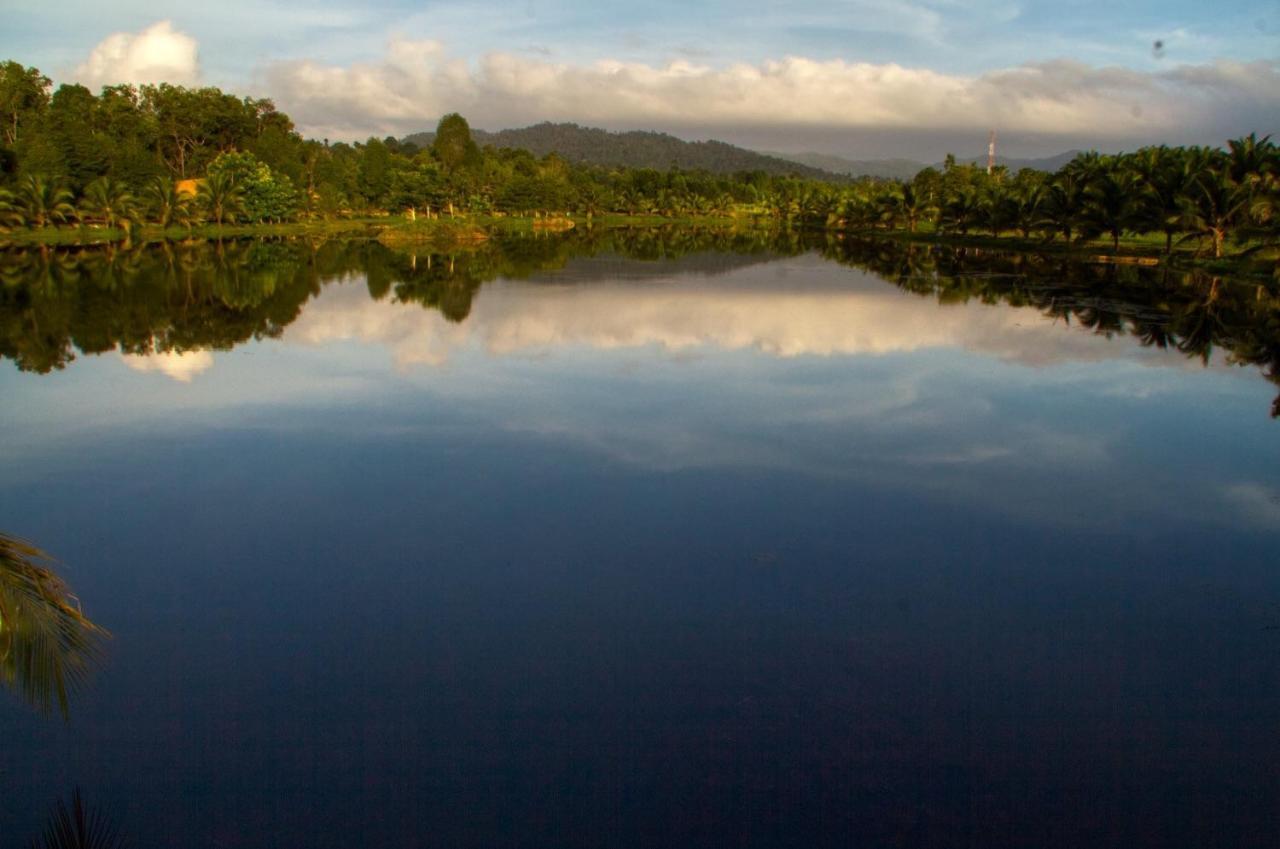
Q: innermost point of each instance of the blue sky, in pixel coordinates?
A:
(312, 58)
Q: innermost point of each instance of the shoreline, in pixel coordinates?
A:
(460, 231)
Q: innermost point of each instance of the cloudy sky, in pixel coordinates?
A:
(862, 78)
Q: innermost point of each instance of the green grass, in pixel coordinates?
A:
(1148, 246)
(464, 229)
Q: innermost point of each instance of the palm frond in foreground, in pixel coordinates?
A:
(47, 645)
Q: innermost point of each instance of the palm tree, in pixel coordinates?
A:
(44, 201)
(221, 196)
(111, 201)
(47, 645)
(1214, 205)
(11, 214)
(1165, 175)
(962, 210)
(1109, 204)
(1063, 204)
(168, 205)
(1251, 159)
(1028, 205)
(912, 206)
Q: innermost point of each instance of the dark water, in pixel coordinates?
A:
(649, 539)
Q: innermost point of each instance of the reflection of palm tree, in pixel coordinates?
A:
(78, 827)
(47, 645)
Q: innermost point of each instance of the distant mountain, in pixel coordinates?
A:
(1046, 163)
(887, 169)
(636, 149)
(905, 169)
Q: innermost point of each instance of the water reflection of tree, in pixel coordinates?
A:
(215, 295)
(47, 645)
(79, 826)
(1192, 312)
(142, 300)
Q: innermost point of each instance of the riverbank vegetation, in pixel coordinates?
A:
(165, 161)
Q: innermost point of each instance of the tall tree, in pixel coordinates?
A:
(24, 93)
(453, 145)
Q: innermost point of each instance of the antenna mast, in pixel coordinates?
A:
(991, 153)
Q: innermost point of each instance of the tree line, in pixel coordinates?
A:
(168, 155)
(1202, 194)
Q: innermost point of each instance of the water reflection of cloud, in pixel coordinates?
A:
(1258, 503)
(748, 310)
(182, 367)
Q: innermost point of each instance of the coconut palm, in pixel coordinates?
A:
(1165, 175)
(1063, 204)
(912, 206)
(11, 214)
(1251, 159)
(964, 209)
(44, 201)
(47, 645)
(1028, 205)
(1214, 206)
(221, 196)
(1110, 204)
(111, 202)
(168, 205)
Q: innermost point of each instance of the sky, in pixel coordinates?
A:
(860, 78)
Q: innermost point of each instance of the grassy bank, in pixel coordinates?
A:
(396, 230)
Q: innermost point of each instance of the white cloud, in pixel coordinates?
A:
(158, 53)
(418, 80)
(182, 367)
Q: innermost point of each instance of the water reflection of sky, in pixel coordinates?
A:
(794, 364)
(633, 561)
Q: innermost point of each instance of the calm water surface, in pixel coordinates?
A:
(649, 542)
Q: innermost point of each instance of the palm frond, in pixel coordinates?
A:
(48, 646)
(79, 827)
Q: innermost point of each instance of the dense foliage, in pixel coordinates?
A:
(175, 156)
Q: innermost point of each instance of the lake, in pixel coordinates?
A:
(649, 538)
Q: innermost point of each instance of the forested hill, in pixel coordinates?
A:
(636, 149)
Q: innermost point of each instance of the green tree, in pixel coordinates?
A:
(44, 201)
(1165, 175)
(110, 202)
(264, 195)
(165, 203)
(1214, 206)
(453, 145)
(221, 197)
(374, 172)
(1110, 204)
(24, 94)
